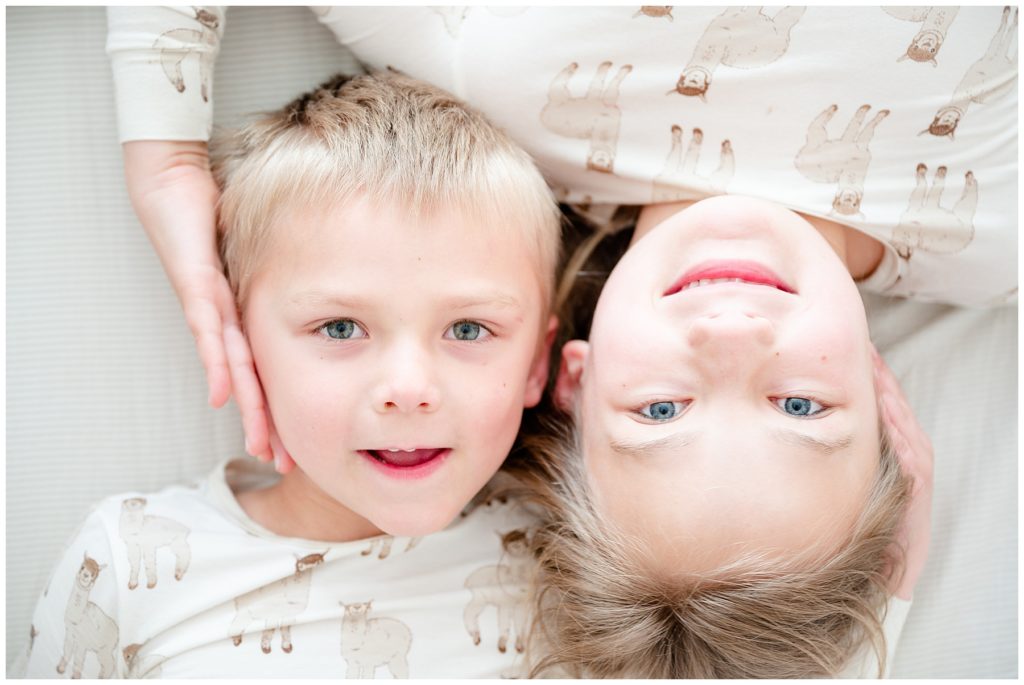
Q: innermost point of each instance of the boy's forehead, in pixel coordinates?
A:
(360, 226)
(349, 246)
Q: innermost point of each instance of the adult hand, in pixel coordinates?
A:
(175, 197)
(917, 460)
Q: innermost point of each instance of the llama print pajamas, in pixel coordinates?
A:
(827, 111)
(248, 603)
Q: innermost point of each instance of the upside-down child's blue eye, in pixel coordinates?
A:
(343, 329)
(662, 411)
(799, 406)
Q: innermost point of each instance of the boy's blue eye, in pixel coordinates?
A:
(799, 406)
(467, 330)
(343, 329)
(662, 411)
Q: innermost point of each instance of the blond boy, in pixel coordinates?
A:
(392, 257)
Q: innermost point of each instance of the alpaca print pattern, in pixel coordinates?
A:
(595, 117)
(506, 587)
(32, 635)
(172, 55)
(926, 225)
(987, 80)
(142, 667)
(385, 542)
(679, 180)
(453, 18)
(276, 605)
(87, 627)
(655, 11)
(369, 643)
(934, 22)
(742, 37)
(144, 535)
(842, 160)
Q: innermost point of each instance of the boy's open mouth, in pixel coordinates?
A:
(404, 459)
(712, 273)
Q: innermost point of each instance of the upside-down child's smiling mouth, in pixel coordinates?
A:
(728, 271)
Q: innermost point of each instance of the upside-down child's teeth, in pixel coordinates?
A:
(713, 281)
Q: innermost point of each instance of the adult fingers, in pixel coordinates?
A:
(248, 392)
(283, 461)
(205, 321)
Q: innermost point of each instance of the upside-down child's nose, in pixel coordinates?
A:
(730, 333)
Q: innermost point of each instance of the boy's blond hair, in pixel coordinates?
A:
(602, 613)
(386, 138)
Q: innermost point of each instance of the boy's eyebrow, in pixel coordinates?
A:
(825, 446)
(644, 448)
(322, 297)
(494, 299)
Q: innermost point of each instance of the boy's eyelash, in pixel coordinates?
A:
(481, 324)
(317, 330)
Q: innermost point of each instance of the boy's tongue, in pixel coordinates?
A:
(400, 458)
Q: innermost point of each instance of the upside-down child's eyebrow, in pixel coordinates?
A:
(648, 448)
(825, 446)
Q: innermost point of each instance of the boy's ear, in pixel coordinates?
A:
(574, 355)
(538, 377)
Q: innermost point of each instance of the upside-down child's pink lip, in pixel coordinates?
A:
(416, 463)
(747, 272)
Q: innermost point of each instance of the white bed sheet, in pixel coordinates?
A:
(105, 393)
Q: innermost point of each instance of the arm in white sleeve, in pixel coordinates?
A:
(865, 663)
(162, 59)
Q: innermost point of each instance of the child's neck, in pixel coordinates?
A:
(296, 507)
(859, 252)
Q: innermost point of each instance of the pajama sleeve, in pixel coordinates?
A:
(162, 60)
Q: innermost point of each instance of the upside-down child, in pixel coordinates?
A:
(392, 256)
(730, 491)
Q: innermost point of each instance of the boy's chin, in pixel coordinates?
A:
(418, 524)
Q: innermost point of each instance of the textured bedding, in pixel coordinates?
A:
(105, 392)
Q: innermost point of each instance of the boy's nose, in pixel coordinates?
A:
(407, 386)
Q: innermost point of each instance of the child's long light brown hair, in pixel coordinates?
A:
(601, 613)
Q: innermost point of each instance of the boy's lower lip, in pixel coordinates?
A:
(746, 271)
(406, 465)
